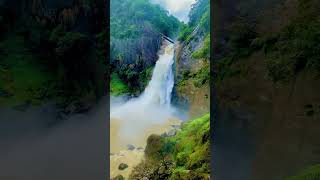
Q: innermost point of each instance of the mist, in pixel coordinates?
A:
(179, 9)
(37, 144)
(134, 117)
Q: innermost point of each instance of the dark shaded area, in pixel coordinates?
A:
(233, 147)
(53, 81)
(34, 148)
(266, 84)
(64, 43)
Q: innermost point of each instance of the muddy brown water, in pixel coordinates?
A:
(118, 145)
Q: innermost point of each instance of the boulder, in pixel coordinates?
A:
(172, 132)
(123, 166)
(130, 147)
(119, 177)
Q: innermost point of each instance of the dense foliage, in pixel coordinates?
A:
(311, 173)
(136, 27)
(199, 18)
(195, 37)
(297, 46)
(52, 54)
(293, 49)
(183, 156)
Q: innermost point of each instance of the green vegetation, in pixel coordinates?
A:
(117, 87)
(199, 18)
(192, 149)
(21, 79)
(293, 49)
(126, 17)
(311, 173)
(136, 27)
(197, 31)
(44, 58)
(297, 46)
(198, 78)
(204, 52)
(185, 33)
(183, 156)
(146, 75)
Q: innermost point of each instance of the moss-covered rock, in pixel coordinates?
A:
(185, 155)
(123, 166)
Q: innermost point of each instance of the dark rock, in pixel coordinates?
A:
(164, 135)
(154, 145)
(123, 166)
(176, 126)
(119, 177)
(130, 147)
(172, 132)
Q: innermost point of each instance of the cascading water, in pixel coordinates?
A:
(133, 121)
(153, 106)
(159, 89)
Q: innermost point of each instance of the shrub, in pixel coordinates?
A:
(204, 52)
(202, 76)
(185, 33)
(311, 173)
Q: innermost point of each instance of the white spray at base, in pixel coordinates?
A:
(153, 106)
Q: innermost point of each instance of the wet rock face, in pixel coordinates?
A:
(275, 124)
(131, 147)
(195, 99)
(271, 126)
(184, 51)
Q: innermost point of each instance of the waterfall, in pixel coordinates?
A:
(153, 106)
(159, 89)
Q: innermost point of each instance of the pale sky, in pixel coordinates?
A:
(178, 8)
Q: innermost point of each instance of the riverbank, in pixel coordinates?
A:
(131, 151)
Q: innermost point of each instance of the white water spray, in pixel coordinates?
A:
(153, 106)
(159, 89)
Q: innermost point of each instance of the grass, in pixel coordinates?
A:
(199, 78)
(204, 52)
(22, 76)
(183, 156)
(192, 148)
(311, 173)
(117, 86)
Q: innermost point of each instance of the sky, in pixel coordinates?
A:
(178, 8)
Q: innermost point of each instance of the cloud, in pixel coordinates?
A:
(178, 8)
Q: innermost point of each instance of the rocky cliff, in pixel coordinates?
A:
(268, 113)
(192, 67)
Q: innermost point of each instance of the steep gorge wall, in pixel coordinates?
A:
(192, 61)
(273, 125)
(196, 98)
